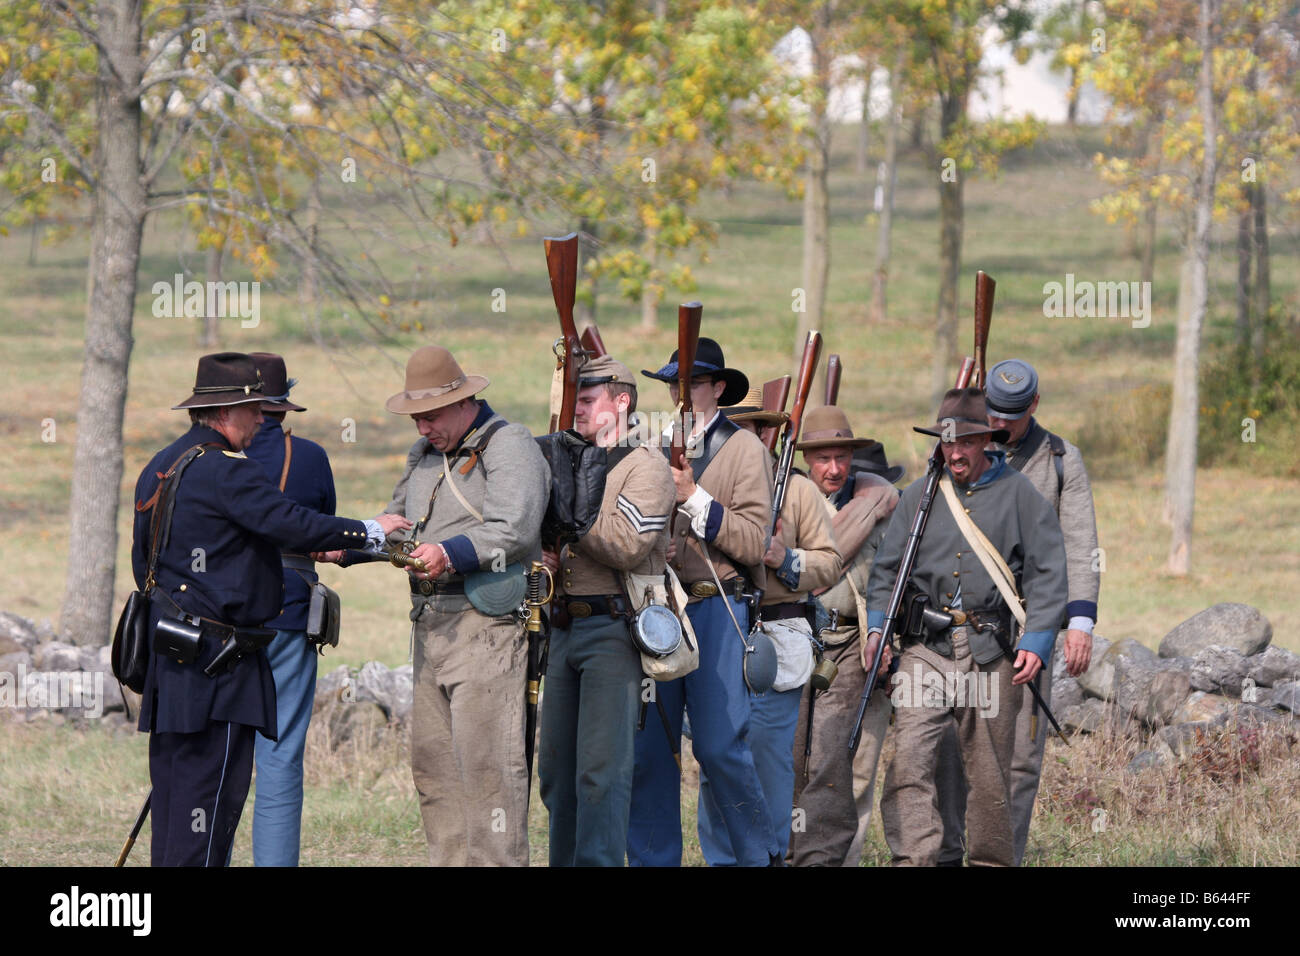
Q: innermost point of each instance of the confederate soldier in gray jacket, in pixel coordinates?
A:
(476, 488)
(1056, 469)
(962, 671)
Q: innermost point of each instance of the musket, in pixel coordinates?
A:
(399, 556)
(833, 371)
(775, 394)
(688, 338)
(934, 472)
(984, 288)
(790, 436)
(562, 264)
(135, 830)
(591, 342)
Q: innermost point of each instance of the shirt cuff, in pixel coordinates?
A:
(786, 573)
(699, 507)
(375, 536)
(1080, 624)
(461, 554)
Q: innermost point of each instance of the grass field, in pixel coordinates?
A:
(1030, 226)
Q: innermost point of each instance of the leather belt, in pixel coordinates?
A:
(431, 588)
(297, 562)
(590, 605)
(784, 611)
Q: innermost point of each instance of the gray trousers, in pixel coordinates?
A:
(467, 737)
(593, 694)
(832, 798)
(1026, 770)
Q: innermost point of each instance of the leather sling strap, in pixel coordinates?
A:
(988, 556)
(475, 455)
(163, 502)
(288, 455)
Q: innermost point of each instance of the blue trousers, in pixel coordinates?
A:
(772, 720)
(277, 802)
(584, 767)
(718, 702)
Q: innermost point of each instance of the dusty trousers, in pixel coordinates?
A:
(828, 814)
(932, 693)
(467, 736)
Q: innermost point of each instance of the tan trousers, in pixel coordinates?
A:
(467, 737)
(932, 693)
(829, 802)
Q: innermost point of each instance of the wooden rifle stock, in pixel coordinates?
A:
(562, 264)
(984, 288)
(775, 394)
(807, 369)
(834, 368)
(934, 472)
(688, 338)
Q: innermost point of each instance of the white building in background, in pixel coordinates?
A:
(1031, 89)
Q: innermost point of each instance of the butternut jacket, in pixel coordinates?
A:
(812, 561)
(631, 531)
(739, 480)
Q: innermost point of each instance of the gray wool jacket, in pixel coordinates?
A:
(1074, 508)
(505, 478)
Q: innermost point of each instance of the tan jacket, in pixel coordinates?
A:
(631, 531)
(740, 480)
(806, 529)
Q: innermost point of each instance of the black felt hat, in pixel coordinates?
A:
(708, 361)
(225, 378)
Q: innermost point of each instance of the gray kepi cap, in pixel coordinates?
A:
(1010, 388)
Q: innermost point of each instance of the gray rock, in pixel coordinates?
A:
(15, 663)
(1089, 717)
(23, 631)
(1200, 707)
(1148, 759)
(10, 646)
(57, 656)
(1286, 696)
(403, 692)
(1274, 666)
(361, 722)
(1165, 694)
(375, 683)
(329, 687)
(1099, 679)
(1218, 668)
(1185, 737)
(1238, 626)
(1066, 692)
(97, 658)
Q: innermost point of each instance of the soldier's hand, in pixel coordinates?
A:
(775, 548)
(434, 558)
(867, 652)
(551, 560)
(684, 479)
(1028, 664)
(1078, 652)
(330, 557)
(391, 523)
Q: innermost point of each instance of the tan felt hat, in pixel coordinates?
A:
(433, 380)
(750, 409)
(827, 427)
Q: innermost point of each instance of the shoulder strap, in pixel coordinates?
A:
(1058, 459)
(464, 469)
(1028, 445)
(288, 454)
(713, 442)
(164, 503)
(988, 555)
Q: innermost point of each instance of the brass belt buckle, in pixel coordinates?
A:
(579, 609)
(703, 589)
(426, 588)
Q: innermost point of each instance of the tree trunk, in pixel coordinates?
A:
(1150, 142)
(862, 160)
(1263, 294)
(880, 278)
(951, 214)
(1180, 462)
(584, 310)
(116, 230)
(210, 336)
(816, 200)
(35, 241)
(1245, 249)
(309, 280)
(649, 293)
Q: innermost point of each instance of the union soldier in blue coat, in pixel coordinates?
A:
(220, 565)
